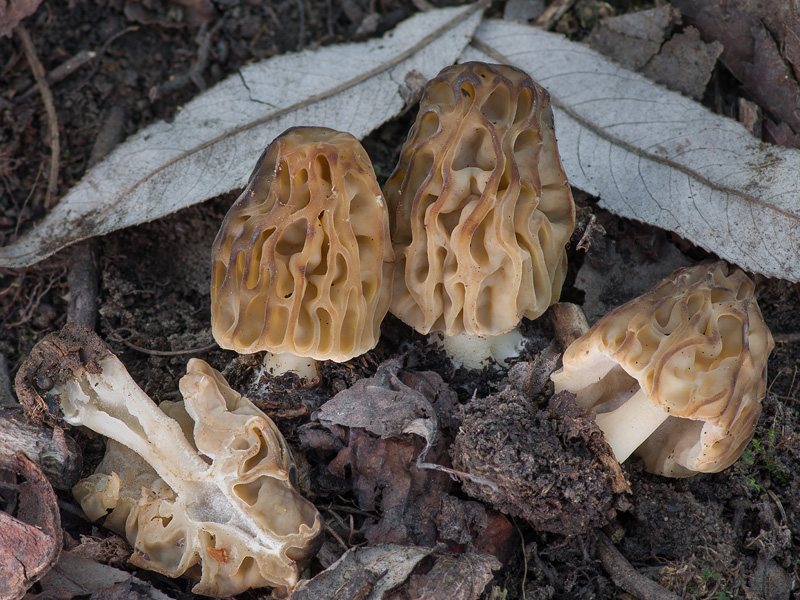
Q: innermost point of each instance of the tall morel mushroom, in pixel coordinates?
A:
(480, 207)
(676, 375)
(302, 263)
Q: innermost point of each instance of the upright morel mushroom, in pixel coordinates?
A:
(302, 263)
(676, 375)
(480, 207)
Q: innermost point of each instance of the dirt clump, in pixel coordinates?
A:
(549, 467)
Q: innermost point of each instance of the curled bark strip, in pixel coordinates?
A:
(29, 544)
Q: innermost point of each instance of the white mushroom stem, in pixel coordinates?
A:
(627, 427)
(471, 351)
(278, 364)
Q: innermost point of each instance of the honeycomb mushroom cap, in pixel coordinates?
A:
(479, 205)
(302, 262)
(697, 346)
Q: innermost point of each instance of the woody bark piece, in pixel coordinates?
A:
(54, 452)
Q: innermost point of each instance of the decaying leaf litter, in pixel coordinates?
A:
(729, 534)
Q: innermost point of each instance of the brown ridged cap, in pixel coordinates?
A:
(479, 205)
(697, 345)
(302, 263)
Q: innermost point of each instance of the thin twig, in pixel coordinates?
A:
(49, 106)
(625, 576)
(786, 338)
(102, 51)
(63, 70)
(167, 352)
(114, 336)
(553, 13)
(524, 558)
(195, 72)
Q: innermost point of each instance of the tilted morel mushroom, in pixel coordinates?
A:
(676, 375)
(302, 263)
(204, 487)
(480, 208)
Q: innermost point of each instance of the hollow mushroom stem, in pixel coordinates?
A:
(281, 363)
(627, 427)
(471, 351)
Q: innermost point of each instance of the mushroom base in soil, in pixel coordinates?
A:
(474, 351)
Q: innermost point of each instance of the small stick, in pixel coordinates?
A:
(63, 70)
(195, 72)
(82, 278)
(553, 13)
(52, 117)
(167, 352)
(625, 576)
(786, 338)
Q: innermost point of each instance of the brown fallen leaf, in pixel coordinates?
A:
(31, 542)
(633, 39)
(684, 63)
(752, 49)
(13, 11)
(382, 430)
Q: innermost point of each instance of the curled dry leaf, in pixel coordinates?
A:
(656, 156)
(31, 542)
(209, 147)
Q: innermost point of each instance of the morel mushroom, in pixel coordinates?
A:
(480, 207)
(204, 487)
(677, 375)
(302, 263)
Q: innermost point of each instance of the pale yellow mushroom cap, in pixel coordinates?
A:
(696, 347)
(479, 205)
(302, 263)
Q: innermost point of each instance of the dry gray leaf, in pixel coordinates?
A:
(656, 156)
(370, 571)
(213, 143)
(74, 575)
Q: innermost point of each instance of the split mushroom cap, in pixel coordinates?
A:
(678, 374)
(203, 487)
(302, 262)
(479, 205)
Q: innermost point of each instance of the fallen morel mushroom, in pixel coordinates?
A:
(302, 263)
(480, 208)
(677, 375)
(203, 487)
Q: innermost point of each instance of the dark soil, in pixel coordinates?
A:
(729, 535)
